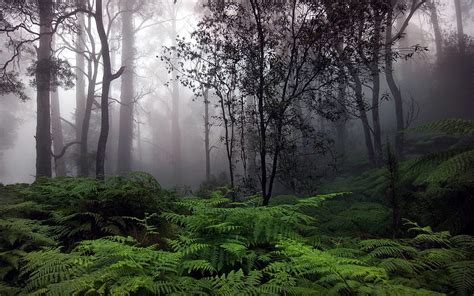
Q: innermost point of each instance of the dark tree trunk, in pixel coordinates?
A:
(359, 96)
(127, 91)
(111, 165)
(80, 70)
(58, 140)
(376, 117)
(436, 28)
(251, 146)
(207, 130)
(92, 70)
(84, 155)
(256, 9)
(460, 27)
(341, 122)
(374, 67)
(43, 79)
(107, 79)
(394, 89)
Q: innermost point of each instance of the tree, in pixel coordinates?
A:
(107, 78)
(57, 130)
(277, 57)
(460, 27)
(433, 13)
(390, 38)
(127, 88)
(43, 80)
(23, 19)
(80, 48)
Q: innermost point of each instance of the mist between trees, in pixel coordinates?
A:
(264, 96)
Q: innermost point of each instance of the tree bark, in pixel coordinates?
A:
(58, 139)
(80, 70)
(363, 114)
(260, 93)
(43, 79)
(341, 122)
(207, 130)
(436, 28)
(394, 89)
(127, 90)
(107, 79)
(375, 73)
(460, 27)
(92, 70)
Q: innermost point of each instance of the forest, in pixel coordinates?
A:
(237, 147)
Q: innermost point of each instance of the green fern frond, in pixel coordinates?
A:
(462, 275)
(449, 126)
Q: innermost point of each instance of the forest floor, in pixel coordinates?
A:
(129, 236)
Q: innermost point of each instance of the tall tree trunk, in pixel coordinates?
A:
(436, 28)
(80, 79)
(251, 146)
(375, 73)
(175, 127)
(84, 155)
(341, 122)
(207, 130)
(359, 96)
(2, 164)
(376, 117)
(462, 45)
(111, 165)
(394, 89)
(127, 90)
(58, 140)
(257, 13)
(92, 70)
(107, 79)
(43, 79)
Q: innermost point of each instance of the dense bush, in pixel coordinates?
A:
(213, 247)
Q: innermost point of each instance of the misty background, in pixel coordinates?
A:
(168, 118)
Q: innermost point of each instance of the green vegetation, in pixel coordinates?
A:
(210, 246)
(129, 236)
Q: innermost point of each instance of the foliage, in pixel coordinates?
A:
(435, 188)
(219, 247)
(86, 208)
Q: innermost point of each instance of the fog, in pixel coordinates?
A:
(168, 127)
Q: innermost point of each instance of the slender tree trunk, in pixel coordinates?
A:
(107, 79)
(251, 146)
(376, 117)
(127, 90)
(58, 140)
(84, 155)
(394, 89)
(111, 165)
(460, 27)
(341, 122)
(363, 114)
(207, 130)
(374, 67)
(43, 79)
(80, 70)
(436, 28)
(2, 164)
(256, 9)
(92, 70)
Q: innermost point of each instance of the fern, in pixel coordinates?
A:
(449, 126)
(462, 275)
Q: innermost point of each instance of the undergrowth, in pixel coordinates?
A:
(129, 236)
